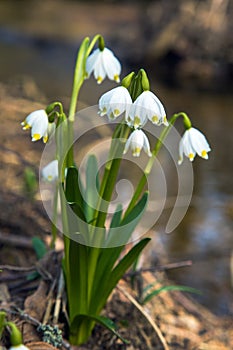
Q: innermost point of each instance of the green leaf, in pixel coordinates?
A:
(73, 192)
(74, 188)
(39, 247)
(30, 181)
(116, 219)
(170, 288)
(137, 211)
(111, 281)
(119, 234)
(78, 262)
(40, 250)
(104, 321)
(92, 187)
(32, 276)
(116, 239)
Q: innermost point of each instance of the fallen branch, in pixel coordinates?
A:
(145, 314)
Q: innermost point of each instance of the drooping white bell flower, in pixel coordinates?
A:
(50, 171)
(146, 106)
(19, 347)
(115, 102)
(136, 141)
(39, 123)
(103, 63)
(193, 142)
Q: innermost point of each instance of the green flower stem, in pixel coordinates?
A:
(93, 42)
(110, 173)
(54, 227)
(106, 189)
(75, 286)
(150, 163)
(79, 76)
(112, 152)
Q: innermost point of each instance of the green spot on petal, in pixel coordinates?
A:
(116, 112)
(137, 121)
(155, 119)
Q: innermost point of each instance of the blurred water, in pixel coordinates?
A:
(205, 235)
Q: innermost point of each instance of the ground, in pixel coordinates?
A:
(171, 320)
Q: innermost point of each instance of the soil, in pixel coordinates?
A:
(171, 320)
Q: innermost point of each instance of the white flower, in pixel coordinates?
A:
(39, 123)
(19, 347)
(115, 102)
(50, 171)
(146, 106)
(103, 63)
(192, 142)
(136, 142)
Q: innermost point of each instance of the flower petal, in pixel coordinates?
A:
(50, 171)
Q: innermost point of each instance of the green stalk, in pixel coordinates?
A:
(83, 333)
(150, 163)
(112, 166)
(107, 187)
(79, 76)
(76, 280)
(54, 227)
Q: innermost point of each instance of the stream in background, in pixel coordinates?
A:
(206, 234)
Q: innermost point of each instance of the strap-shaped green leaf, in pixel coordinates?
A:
(119, 235)
(74, 188)
(169, 288)
(116, 219)
(137, 210)
(104, 321)
(111, 281)
(39, 246)
(92, 187)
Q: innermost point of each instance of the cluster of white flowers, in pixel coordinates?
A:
(146, 107)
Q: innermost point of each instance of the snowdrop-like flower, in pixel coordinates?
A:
(115, 102)
(146, 106)
(192, 142)
(39, 123)
(102, 63)
(50, 171)
(19, 347)
(136, 142)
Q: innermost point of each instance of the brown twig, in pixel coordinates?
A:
(50, 302)
(146, 315)
(17, 268)
(170, 266)
(16, 241)
(61, 287)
